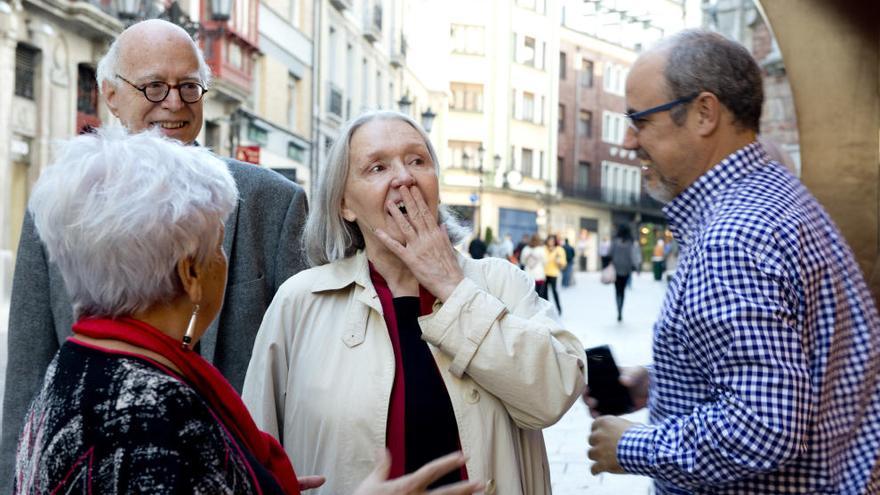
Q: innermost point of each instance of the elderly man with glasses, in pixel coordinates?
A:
(766, 374)
(153, 75)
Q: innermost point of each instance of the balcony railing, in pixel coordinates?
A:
(373, 23)
(398, 53)
(341, 5)
(613, 197)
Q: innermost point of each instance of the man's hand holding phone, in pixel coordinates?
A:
(611, 390)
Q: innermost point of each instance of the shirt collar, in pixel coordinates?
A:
(687, 211)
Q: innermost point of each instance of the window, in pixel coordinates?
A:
(583, 175)
(562, 117)
(621, 184)
(466, 97)
(464, 154)
(528, 107)
(586, 73)
(86, 91)
(257, 134)
(562, 62)
(560, 165)
(613, 127)
(296, 152)
(468, 40)
(527, 158)
(527, 51)
(25, 68)
(615, 78)
(292, 82)
(536, 5)
(585, 124)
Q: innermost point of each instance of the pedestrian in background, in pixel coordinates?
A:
(554, 263)
(477, 248)
(623, 257)
(658, 259)
(534, 258)
(506, 250)
(605, 251)
(766, 373)
(517, 251)
(567, 280)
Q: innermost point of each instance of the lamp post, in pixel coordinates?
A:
(481, 155)
(131, 11)
(428, 120)
(405, 104)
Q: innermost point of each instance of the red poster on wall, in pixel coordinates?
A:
(250, 154)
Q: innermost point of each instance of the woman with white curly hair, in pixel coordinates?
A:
(135, 225)
(394, 340)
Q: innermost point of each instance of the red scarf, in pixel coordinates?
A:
(208, 382)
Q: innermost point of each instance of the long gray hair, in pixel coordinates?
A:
(328, 236)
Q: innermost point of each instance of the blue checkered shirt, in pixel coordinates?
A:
(766, 375)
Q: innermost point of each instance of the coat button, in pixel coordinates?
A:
(490, 487)
(473, 396)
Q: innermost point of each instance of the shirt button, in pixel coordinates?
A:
(473, 396)
(490, 487)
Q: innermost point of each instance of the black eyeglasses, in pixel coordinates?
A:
(157, 91)
(636, 117)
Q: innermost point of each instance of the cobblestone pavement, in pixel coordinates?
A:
(588, 311)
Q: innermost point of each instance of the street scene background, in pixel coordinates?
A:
(524, 101)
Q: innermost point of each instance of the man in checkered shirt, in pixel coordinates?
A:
(766, 374)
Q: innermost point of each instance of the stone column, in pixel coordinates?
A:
(8, 29)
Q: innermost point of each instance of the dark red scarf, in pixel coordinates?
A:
(208, 382)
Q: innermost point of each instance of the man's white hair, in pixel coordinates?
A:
(116, 213)
(108, 66)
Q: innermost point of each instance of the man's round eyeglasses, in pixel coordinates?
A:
(157, 91)
(635, 119)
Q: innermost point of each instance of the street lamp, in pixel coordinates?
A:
(428, 120)
(481, 154)
(131, 11)
(405, 104)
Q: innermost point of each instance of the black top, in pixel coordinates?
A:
(431, 429)
(106, 423)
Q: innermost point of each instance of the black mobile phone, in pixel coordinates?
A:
(603, 378)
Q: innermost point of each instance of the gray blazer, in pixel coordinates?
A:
(263, 243)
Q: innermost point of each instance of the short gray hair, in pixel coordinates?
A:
(108, 66)
(328, 236)
(701, 60)
(116, 213)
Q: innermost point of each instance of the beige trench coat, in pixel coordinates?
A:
(322, 369)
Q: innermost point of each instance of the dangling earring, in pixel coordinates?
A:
(190, 329)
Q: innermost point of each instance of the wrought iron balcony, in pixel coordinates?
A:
(616, 198)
